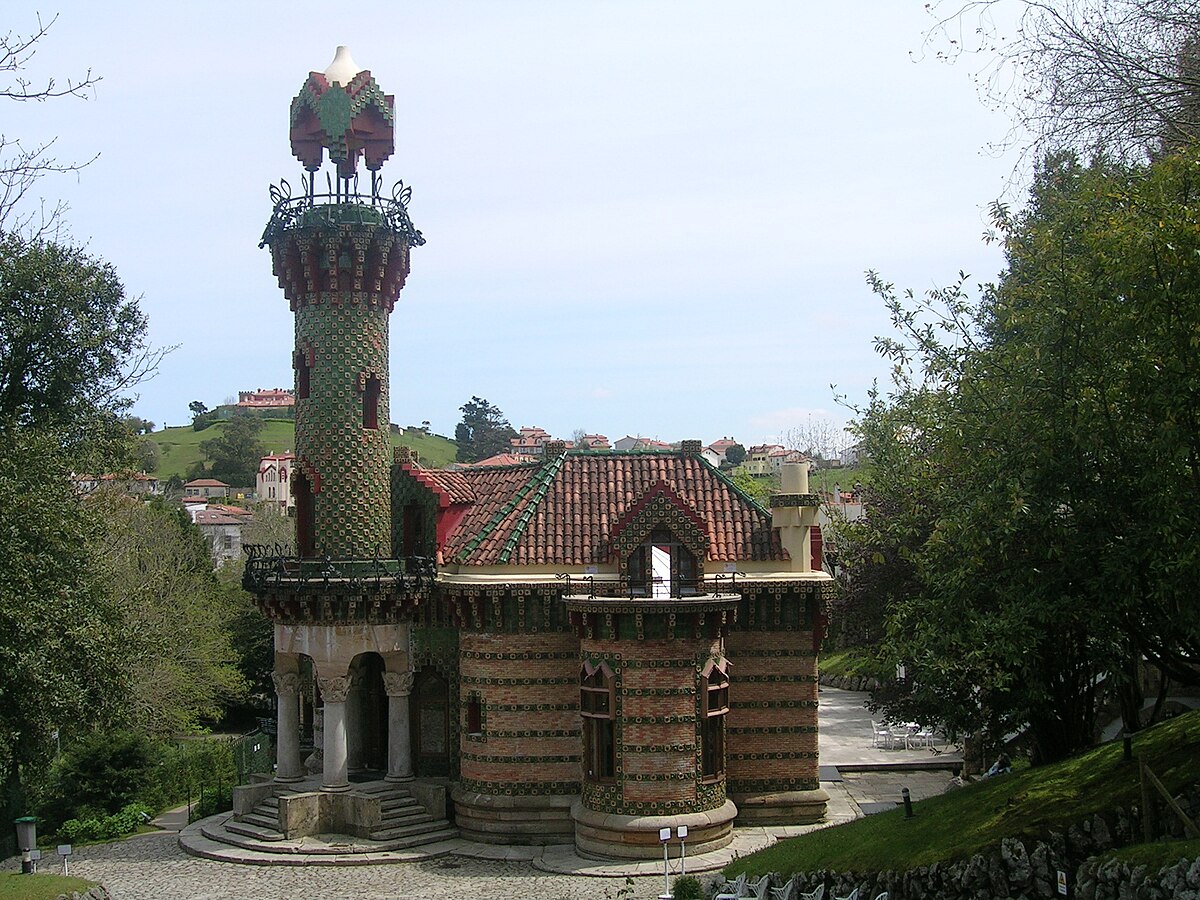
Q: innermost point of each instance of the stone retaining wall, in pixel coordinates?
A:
(1029, 869)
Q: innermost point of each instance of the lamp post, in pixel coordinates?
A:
(664, 835)
(26, 841)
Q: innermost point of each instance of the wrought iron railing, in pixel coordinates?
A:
(341, 204)
(276, 566)
(643, 588)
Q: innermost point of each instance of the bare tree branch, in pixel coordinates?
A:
(1113, 77)
(22, 165)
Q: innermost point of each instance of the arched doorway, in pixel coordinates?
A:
(367, 719)
(430, 716)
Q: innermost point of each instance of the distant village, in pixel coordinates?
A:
(222, 511)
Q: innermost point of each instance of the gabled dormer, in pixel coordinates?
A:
(661, 544)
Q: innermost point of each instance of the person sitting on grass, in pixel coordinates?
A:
(1002, 766)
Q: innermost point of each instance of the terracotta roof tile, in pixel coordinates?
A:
(561, 512)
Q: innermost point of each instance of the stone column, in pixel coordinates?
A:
(287, 726)
(354, 722)
(398, 686)
(333, 692)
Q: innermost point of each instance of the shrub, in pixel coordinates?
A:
(99, 776)
(687, 887)
(104, 828)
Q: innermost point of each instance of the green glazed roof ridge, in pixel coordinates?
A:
(733, 486)
(499, 516)
(549, 472)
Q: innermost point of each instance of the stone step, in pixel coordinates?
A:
(250, 830)
(425, 837)
(261, 818)
(417, 825)
(391, 803)
(421, 818)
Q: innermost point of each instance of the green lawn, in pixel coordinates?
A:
(41, 886)
(1027, 803)
(181, 446)
(854, 661)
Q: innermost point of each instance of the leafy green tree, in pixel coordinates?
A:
(71, 343)
(735, 455)
(483, 431)
(61, 634)
(236, 452)
(149, 454)
(1043, 465)
(178, 619)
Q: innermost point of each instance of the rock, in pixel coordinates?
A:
(1016, 863)
(1101, 836)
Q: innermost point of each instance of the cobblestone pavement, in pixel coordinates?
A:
(152, 867)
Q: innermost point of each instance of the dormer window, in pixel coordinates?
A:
(662, 567)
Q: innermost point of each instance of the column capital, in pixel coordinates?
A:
(287, 684)
(334, 690)
(398, 684)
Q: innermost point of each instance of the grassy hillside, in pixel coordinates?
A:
(181, 446)
(1027, 803)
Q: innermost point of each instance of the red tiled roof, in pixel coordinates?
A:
(563, 511)
(206, 482)
(450, 486)
(501, 459)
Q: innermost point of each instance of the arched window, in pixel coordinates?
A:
(597, 705)
(714, 690)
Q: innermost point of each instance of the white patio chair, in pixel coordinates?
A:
(853, 895)
(759, 891)
(883, 896)
(882, 736)
(787, 892)
(818, 893)
(922, 736)
(732, 890)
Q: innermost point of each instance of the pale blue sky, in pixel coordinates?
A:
(642, 217)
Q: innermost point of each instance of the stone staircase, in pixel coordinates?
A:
(404, 824)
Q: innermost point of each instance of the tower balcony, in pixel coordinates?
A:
(328, 589)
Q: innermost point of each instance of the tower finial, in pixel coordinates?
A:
(343, 68)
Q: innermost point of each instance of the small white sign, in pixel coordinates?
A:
(664, 834)
(730, 567)
(35, 855)
(64, 849)
(591, 570)
(1062, 882)
(682, 832)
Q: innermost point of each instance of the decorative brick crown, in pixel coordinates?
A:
(406, 456)
(691, 447)
(554, 448)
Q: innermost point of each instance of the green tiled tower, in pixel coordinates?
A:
(341, 259)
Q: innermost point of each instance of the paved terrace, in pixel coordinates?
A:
(154, 867)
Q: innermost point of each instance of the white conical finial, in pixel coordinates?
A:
(343, 68)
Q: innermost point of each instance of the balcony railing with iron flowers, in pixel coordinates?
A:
(276, 567)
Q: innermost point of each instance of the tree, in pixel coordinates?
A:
(197, 409)
(1043, 462)
(818, 438)
(483, 431)
(61, 641)
(149, 454)
(178, 644)
(236, 452)
(1120, 77)
(71, 343)
(137, 425)
(21, 165)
